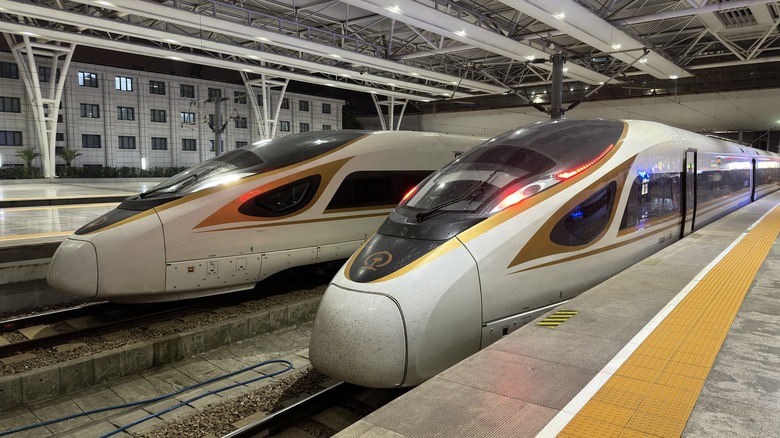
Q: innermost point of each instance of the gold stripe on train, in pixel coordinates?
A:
(382, 213)
(211, 190)
(501, 217)
(229, 213)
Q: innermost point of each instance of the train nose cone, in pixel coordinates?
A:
(359, 337)
(73, 269)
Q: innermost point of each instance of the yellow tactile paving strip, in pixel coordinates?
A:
(653, 393)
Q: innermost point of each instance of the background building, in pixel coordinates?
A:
(123, 117)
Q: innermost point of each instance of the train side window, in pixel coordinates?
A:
(375, 188)
(585, 222)
(283, 200)
(652, 196)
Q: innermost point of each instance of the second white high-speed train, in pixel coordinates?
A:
(235, 219)
(514, 227)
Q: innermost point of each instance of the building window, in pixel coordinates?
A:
(59, 118)
(221, 146)
(90, 110)
(90, 141)
(303, 105)
(156, 87)
(240, 122)
(9, 70)
(125, 113)
(239, 96)
(11, 105)
(10, 138)
(158, 115)
(241, 144)
(159, 144)
(60, 137)
(326, 127)
(124, 83)
(126, 142)
(325, 108)
(187, 91)
(286, 103)
(211, 120)
(187, 117)
(304, 127)
(44, 73)
(87, 79)
(188, 144)
(215, 93)
(284, 126)
(259, 100)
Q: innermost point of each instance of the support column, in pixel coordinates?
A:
(266, 124)
(556, 98)
(44, 100)
(390, 124)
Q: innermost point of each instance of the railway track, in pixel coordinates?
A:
(326, 412)
(69, 325)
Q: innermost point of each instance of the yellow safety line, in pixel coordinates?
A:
(57, 207)
(656, 388)
(30, 236)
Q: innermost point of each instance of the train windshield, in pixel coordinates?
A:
(259, 157)
(507, 169)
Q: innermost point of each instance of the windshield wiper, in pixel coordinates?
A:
(473, 191)
(186, 182)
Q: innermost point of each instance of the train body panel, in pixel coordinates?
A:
(545, 212)
(236, 219)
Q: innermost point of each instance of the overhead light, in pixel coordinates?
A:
(601, 83)
(330, 85)
(394, 9)
(530, 57)
(346, 75)
(171, 41)
(426, 100)
(175, 58)
(110, 5)
(414, 74)
(254, 57)
(643, 60)
(391, 84)
(559, 15)
(616, 47)
(460, 33)
(453, 82)
(246, 70)
(565, 69)
(263, 39)
(333, 55)
(673, 77)
(29, 34)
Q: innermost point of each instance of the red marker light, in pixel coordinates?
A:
(510, 200)
(571, 173)
(408, 194)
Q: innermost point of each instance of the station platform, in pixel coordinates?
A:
(685, 343)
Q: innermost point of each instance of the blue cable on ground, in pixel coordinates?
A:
(164, 396)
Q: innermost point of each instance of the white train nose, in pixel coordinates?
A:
(360, 338)
(73, 269)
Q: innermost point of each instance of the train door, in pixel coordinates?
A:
(753, 175)
(689, 197)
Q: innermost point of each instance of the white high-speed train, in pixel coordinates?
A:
(514, 227)
(233, 220)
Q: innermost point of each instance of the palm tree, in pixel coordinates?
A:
(28, 154)
(68, 155)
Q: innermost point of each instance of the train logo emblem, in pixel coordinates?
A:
(377, 260)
